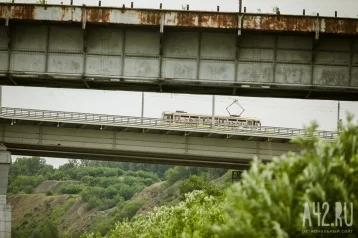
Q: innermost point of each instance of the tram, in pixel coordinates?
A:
(181, 117)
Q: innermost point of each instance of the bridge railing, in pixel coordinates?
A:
(152, 123)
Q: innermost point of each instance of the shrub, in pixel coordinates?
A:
(91, 192)
(47, 229)
(195, 182)
(74, 188)
(28, 189)
(49, 193)
(130, 209)
(94, 202)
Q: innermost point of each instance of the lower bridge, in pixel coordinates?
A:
(136, 139)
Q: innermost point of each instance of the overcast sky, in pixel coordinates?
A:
(272, 112)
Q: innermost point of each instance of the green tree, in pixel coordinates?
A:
(270, 199)
(195, 182)
(46, 229)
(33, 166)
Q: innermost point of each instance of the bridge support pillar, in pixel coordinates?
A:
(5, 210)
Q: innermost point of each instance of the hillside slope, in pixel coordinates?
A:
(68, 212)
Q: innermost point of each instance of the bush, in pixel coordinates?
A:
(191, 218)
(28, 189)
(94, 202)
(90, 192)
(195, 182)
(25, 184)
(130, 209)
(177, 173)
(73, 188)
(49, 193)
(46, 229)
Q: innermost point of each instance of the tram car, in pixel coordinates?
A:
(181, 117)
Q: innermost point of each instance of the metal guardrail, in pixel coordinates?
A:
(155, 123)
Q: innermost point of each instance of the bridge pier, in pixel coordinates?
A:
(5, 210)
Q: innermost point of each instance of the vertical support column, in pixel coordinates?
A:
(238, 42)
(123, 53)
(240, 19)
(198, 57)
(213, 114)
(5, 210)
(47, 48)
(162, 21)
(274, 60)
(84, 21)
(350, 66)
(314, 47)
(9, 36)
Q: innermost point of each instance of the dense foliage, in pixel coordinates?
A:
(190, 218)
(270, 199)
(101, 185)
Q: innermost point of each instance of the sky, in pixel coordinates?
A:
(272, 112)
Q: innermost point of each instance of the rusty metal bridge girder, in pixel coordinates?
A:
(269, 55)
(173, 18)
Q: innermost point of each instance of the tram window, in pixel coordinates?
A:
(177, 118)
(250, 123)
(185, 118)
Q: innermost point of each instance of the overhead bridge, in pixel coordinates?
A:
(228, 53)
(136, 139)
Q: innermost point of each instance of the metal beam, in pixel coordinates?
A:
(12, 80)
(86, 84)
